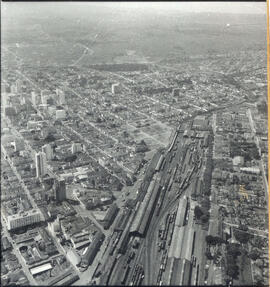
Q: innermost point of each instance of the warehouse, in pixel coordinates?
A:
(92, 250)
(41, 268)
(145, 211)
(142, 209)
(122, 220)
(149, 211)
(181, 212)
(177, 240)
(110, 216)
(161, 159)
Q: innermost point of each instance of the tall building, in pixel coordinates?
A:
(36, 99)
(47, 149)
(18, 144)
(176, 92)
(6, 88)
(76, 147)
(61, 97)
(22, 99)
(115, 88)
(44, 99)
(60, 190)
(45, 93)
(41, 164)
(23, 219)
(60, 114)
(13, 89)
(19, 84)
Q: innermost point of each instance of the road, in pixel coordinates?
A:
(252, 126)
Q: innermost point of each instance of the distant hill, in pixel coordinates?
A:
(61, 37)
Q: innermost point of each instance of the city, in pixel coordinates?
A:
(134, 171)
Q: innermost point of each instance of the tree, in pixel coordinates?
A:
(241, 236)
(213, 240)
(208, 255)
(49, 138)
(70, 158)
(198, 212)
(233, 271)
(233, 249)
(210, 240)
(205, 218)
(254, 254)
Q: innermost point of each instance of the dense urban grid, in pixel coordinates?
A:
(134, 173)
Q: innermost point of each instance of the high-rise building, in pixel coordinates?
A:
(61, 97)
(19, 85)
(60, 190)
(52, 110)
(175, 92)
(18, 144)
(41, 164)
(60, 114)
(23, 219)
(45, 93)
(13, 89)
(35, 98)
(22, 99)
(76, 147)
(47, 149)
(44, 99)
(6, 88)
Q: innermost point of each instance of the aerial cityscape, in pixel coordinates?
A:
(134, 144)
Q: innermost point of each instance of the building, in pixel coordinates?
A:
(41, 164)
(13, 89)
(36, 100)
(76, 147)
(61, 97)
(47, 149)
(9, 112)
(44, 99)
(22, 99)
(59, 189)
(45, 93)
(41, 268)
(6, 88)
(74, 257)
(92, 250)
(252, 170)
(52, 110)
(116, 88)
(23, 219)
(238, 160)
(175, 92)
(18, 144)
(60, 114)
(19, 84)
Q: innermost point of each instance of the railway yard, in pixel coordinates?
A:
(163, 217)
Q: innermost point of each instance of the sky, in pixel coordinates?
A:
(68, 7)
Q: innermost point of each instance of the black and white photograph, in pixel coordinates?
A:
(134, 143)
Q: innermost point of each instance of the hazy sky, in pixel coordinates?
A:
(225, 7)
